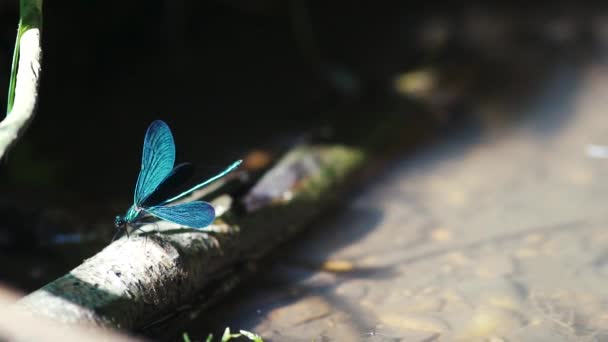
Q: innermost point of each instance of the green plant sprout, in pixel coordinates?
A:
(227, 336)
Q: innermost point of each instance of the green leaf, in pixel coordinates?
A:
(209, 338)
(30, 16)
(14, 66)
(186, 337)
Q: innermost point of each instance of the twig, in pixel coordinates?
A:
(23, 88)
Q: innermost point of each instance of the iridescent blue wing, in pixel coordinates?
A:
(195, 214)
(157, 160)
(169, 186)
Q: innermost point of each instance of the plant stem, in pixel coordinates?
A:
(25, 73)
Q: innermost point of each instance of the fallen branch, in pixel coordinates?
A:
(23, 88)
(141, 279)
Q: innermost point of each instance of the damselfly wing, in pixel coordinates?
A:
(158, 177)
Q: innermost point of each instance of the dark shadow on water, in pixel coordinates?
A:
(296, 272)
(280, 275)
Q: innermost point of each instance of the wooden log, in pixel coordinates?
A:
(143, 278)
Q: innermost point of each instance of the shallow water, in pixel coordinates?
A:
(497, 234)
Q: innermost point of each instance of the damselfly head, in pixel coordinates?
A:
(119, 222)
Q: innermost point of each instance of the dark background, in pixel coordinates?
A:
(226, 75)
(232, 76)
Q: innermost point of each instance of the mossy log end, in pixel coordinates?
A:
(140, 279)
